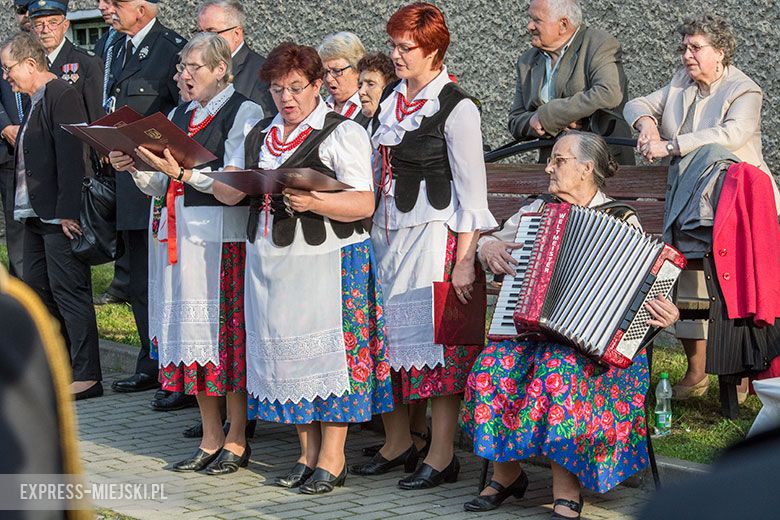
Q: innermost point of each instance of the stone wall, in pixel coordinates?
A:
(488, 35)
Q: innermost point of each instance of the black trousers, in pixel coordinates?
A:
(14, 231)
(64, 284)
(138, 253)
(120, 284)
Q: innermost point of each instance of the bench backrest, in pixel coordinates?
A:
(642, 187)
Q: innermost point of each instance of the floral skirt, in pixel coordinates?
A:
(230, 374)
(364, 345)
(531, 399)
(447, 379)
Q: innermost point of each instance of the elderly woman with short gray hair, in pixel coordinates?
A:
(196, 255)
(340, 54)
(709, 101)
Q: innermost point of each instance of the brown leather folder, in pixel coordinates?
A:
(260, 182)
(155, 132)
(455, 323)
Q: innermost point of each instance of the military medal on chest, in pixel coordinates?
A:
(70, 72)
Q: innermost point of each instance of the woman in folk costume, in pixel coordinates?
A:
(196, 255)
(433, 204)
(315, 330)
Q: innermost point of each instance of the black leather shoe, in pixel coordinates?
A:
(135, 383)
(199, 460)
(379, 465)
(249, 431)
(299, 474)
(229, 462)
(426, 477)
(107, 297)
(174, 401)
(490, 502)
(160, 394)
(370, 451)
(322, 481)
(95, 390)
(194, 432)
(574, 506)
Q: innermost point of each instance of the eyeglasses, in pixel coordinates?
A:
(19, 9)
(7, 70)
(213, 31)
(294, 90)
(50, 24)
(682, 49)
(192, 68)
(401, 48)
(336, 73)
(559, 160)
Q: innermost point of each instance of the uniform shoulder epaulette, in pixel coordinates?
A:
(84, 51)
(174, 37)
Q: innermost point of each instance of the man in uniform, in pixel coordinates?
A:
(227, 19)
(141, 77)
(571, 77)
(13, 106)
(79, 67)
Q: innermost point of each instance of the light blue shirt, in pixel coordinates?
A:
(551, 71)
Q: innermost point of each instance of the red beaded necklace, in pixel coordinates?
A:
(277, 147)
(194, 129)
(403, 109)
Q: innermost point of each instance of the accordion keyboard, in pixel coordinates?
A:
(503, 325)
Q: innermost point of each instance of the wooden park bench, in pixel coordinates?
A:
(510, 186)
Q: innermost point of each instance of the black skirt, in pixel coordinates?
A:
(735, 347)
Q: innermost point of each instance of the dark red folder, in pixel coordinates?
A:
(260, 182)
(455, 323)
(155, 132)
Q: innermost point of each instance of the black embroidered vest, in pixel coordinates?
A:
(422, 153)
(212, 138)
(362, 119)
(307, 155)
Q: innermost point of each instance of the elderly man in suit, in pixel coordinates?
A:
(141, 76)
(227, 18)
(572, 77)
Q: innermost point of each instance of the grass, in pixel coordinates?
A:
(699, 432)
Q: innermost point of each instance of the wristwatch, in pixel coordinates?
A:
(670, 147)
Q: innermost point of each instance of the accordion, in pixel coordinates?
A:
(582, 279)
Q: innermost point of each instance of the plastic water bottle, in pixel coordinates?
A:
(663, 406)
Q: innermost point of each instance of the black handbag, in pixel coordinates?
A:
(98, 242)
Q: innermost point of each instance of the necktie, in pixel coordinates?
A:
(109, 58)
(18, 97)
(128, 52)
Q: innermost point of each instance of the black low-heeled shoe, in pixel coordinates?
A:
(379, 465)
(299, 474)
(426, 477)
(95, 390)
(490, 502)
(199, 460)
(229, 462)
(322, 481)
(574, 506)
(427, 438)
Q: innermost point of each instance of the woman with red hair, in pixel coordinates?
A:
(315, 334)
(433, 205)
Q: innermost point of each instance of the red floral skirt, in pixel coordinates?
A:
(449, 378)
(230, 374)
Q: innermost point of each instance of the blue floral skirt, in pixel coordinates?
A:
(371, 389)
(531, 399)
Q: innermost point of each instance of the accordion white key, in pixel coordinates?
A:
(582, 279)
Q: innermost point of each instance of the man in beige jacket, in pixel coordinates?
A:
(572, 77)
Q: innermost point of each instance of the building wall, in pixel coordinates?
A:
(488, 35)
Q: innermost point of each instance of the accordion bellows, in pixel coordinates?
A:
(582, 279)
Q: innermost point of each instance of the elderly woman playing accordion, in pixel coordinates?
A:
(196, 255)
(315, 329)
(527, 398)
